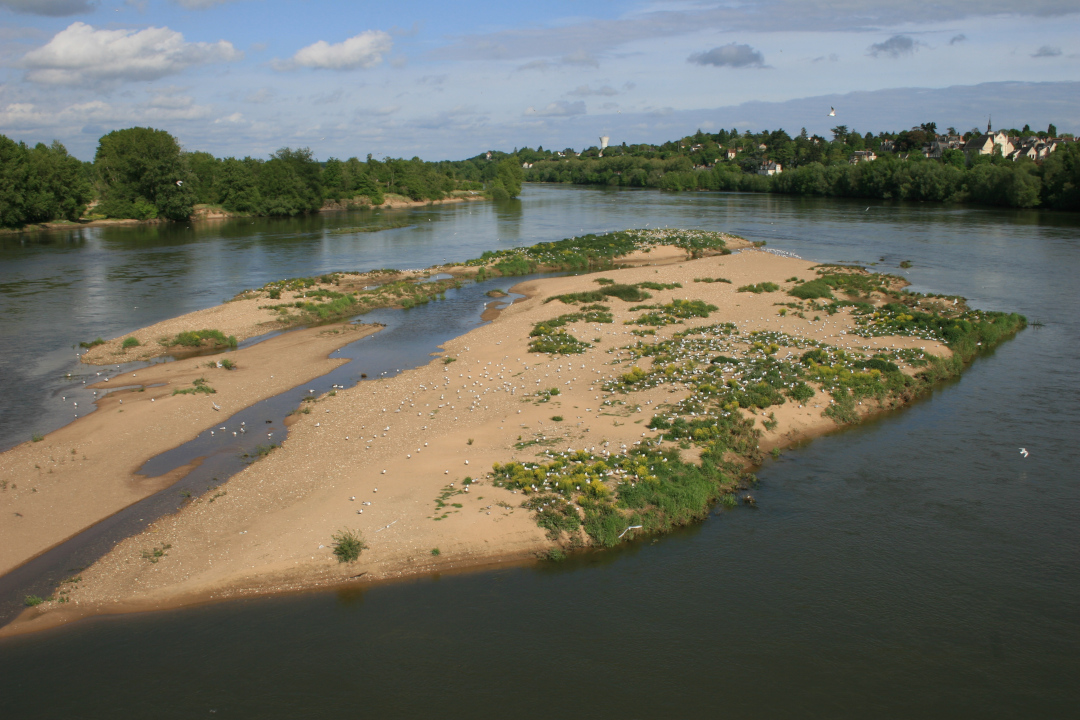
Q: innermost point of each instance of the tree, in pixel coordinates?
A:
(235, 186)
(839, 133)
(141, 174)
(510, 175)
(1051, 130)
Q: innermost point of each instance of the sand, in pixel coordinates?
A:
(388, 458)
(87, 470)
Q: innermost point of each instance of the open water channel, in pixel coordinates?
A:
(913, 566)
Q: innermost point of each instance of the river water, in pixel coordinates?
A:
(913, 566)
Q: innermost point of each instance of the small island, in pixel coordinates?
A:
(609, 405)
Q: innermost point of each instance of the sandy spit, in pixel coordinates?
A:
(388, 458)
(87, 470)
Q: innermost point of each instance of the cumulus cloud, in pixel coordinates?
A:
(52, 8)
(559, 108)
(365, 50)
(586, 91)
(1047, 51)
(730, 55)
(956, 39)
(894, 47)
(81, 55)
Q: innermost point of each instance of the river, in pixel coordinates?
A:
(916, 565)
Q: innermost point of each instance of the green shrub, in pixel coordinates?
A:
(348, 544)
(92, 343)
(129, 343)
(760, 288)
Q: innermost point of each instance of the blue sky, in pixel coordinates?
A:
(448, 80)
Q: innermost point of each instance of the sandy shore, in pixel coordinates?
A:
(87, 470)
(388, 458)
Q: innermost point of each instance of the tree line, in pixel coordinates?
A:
(813, 165)
(143, 173)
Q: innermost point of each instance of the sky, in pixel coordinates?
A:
(444, 80)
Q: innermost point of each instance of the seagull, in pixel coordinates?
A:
(179, 183)
(832, 112)
(1024, 452)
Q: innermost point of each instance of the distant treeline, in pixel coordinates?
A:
(815, 166)
(143, 173)
(988, 181)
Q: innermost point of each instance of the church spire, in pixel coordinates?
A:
(988, 130)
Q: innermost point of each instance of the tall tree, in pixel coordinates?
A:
(141, 174)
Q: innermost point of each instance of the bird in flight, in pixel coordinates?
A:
(1024, 452)
(179, 183)
(832, 111)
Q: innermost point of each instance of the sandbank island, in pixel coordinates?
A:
(608, 405)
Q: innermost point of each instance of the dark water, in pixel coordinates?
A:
(915, 566)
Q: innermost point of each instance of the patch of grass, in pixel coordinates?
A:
(92, 343)
(129, 342)
(36, 438)
(199, 386)
(712, 280)
(32, 600)
(435, 552)
(672, 312)
(202, 338)
(348, 544)
(556, 418)
(650, 285)
(760, 288)
(555, 555)
(156, 553)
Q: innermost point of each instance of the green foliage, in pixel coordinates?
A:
(348, 544)
(672, 312)
(712, 280)
(32, 600)
(40, 184)
(36, 437)
(202, 338)
(760, 288)
(92, 343)
(199, 385)
(811, 290)
(129, 342)
(137, 171)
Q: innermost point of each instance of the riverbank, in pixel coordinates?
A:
(580, 436)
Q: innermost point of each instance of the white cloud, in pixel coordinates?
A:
(559, 108)
(53, 8)
(730, 55)
(894, 47)
(82, 55)
(365, 50)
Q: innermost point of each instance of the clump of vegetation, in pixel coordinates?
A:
(36, 437)
(202, 338)
(760, 288)
(32, 600)
(348, 544)
(556, 418)
(629, 293)
(448, 360)
(92, 343)
(155, 554)
(436, 552)
(712, 280)
(672, 312)
(199, 385)
(129, 343)
(658, 286)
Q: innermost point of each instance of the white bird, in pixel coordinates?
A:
(1024, 452)
(179, 183)
(832, 112)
